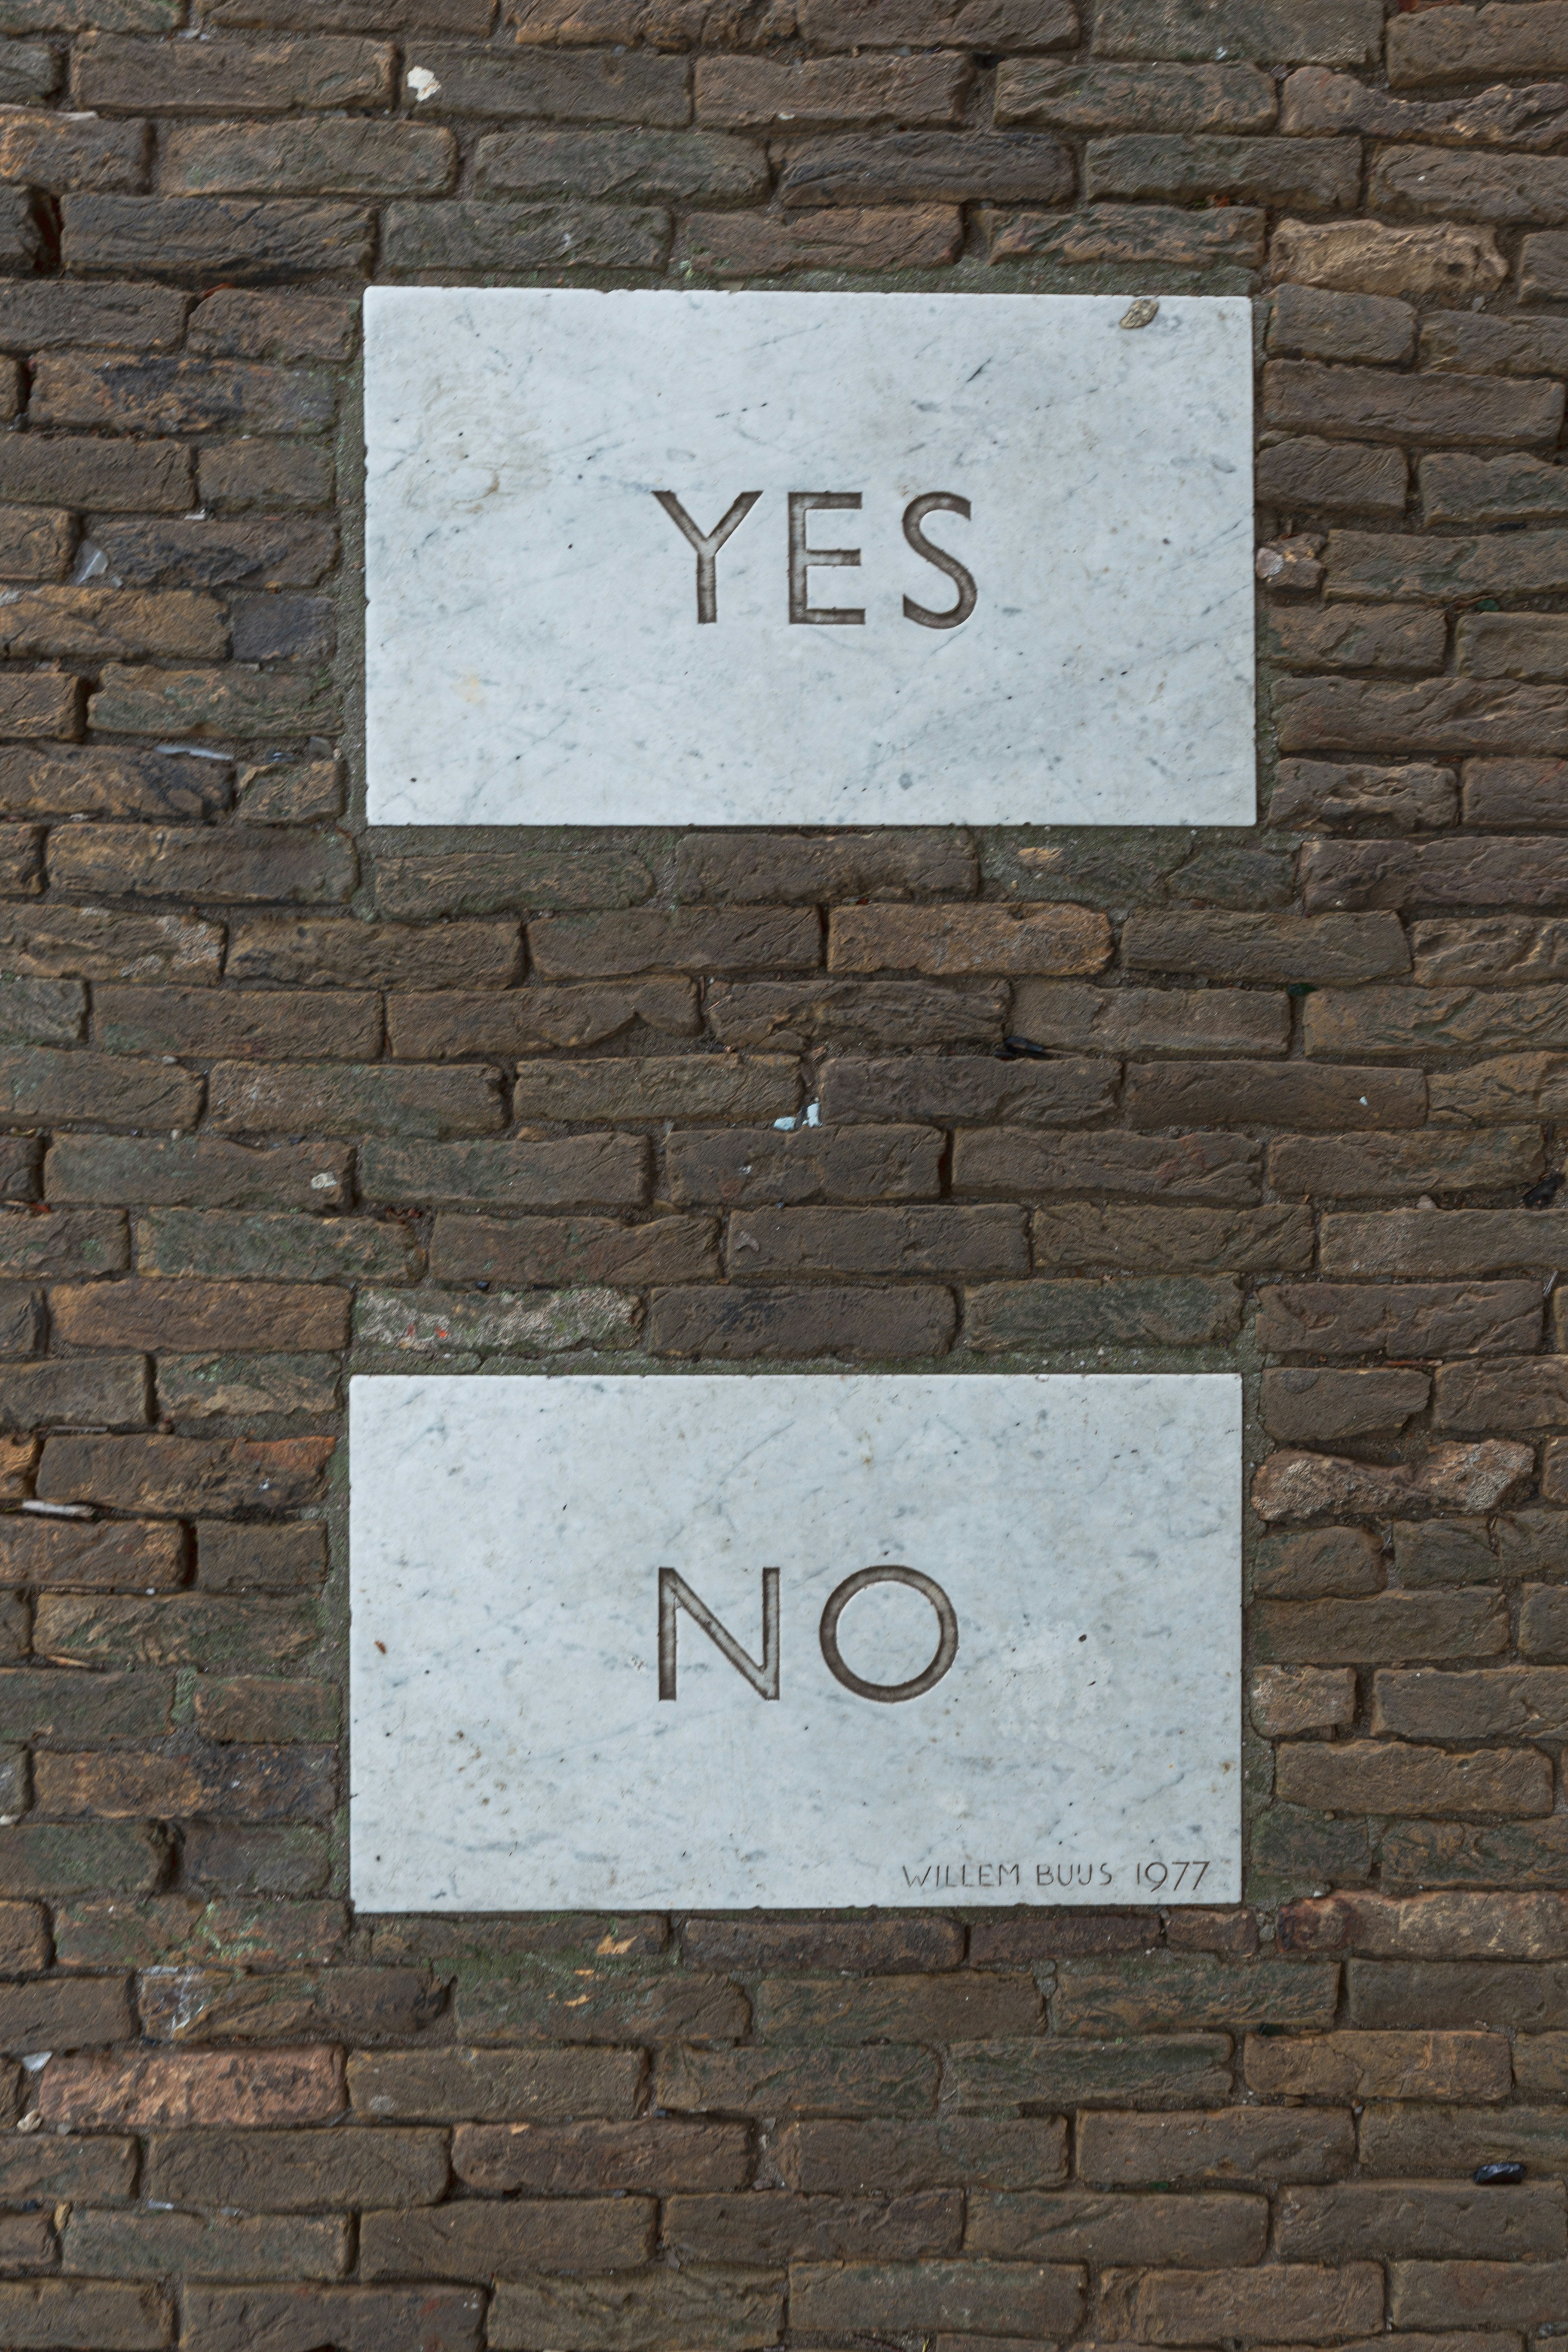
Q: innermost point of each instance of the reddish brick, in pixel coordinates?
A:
(192, 2088)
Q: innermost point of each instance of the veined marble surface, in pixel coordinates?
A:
(511, 1750)
(534, 653)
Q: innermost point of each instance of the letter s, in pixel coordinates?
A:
(915, 513)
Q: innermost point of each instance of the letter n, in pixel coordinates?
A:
(675, 1595)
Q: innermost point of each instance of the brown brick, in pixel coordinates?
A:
(791, 1015)
(1414, 1242)
(957, 24)
(506, 1323)
(325, 951)
(1301, 1405)
(493, 235)
(1383, 1776)
(1460, 489)
(652, 165)
(1285, 1699)
(740, 1166)
(581, 1249)
(1134, 234)
(1370, 257)
(114, 1555)
(152, 1315)
(1149, 1240)
(1156, 1992)
(36, 543)
(1173, 1312)
(968, 938)
(865, 2158)
(1317, 174)
(1216, 1169)
(1349, 2064)
(1299, 2301)
(1369, 2219)
(1504, 794)
(1321, 950)
(233, 1783)
(1384, 1167)
(1102, 96)
(1296, 1093)
(244, 1707)
(733, 1322)
(260, 1022)
(960, 2004)
(1464, 1992)
(740, 245)
(566, 947)
(928, 166)
(195, 1167)
(1072, 1018)
(1325, 32)
(453, 1023)
(192, 2088)
(658, 2310)
(45, 1858)
(85, 2171)
(823, 94)
(981, 2298)
(651, 2157)
(293, 2171)
(344, 156)
(164, 237)
(1400, 1319)
(177, 1475)
(1440, 717)
(59, 2311)
(477, 2237)
(1087, 2226)
(762, 2226)
(1312, 476)
(889, 2080)
(1521, 1700)
(657, 1087)
(219, 76)
(545, 2002)
(287, 2318)
(351, 1099)
(1306, 322)
(529, 1172)
(766, 1242)
(966, 1089)
(1370, 405)
(581, 86)
(64, 2014)
(876, 1946)
(1390, 1625)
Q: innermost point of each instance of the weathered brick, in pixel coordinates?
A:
(1000, 938)
(1320, 950)
(45, 1858)
(1292, 1094)
(1215, 1170)
(506, 1323)
(359, 2318)
(855, 237)
(549, 2003)
(957, 2005)
(219, 76)
(1449, 263)
(1400, 1319)
(1354, 2065)
(58, 2312)
(216, 551)
(652, 165)
(793, 1015)
(1308, 475)
(1147, 1240)
(191, 1315)
(571, 86)
(1444, 717)
(1384, 1167)
(238, 703)
(1387, 1626)
(1328, 1405)
(1020, 2298)
(653, 2157)
(1317, 174)
(353, 1100)
(735, 1322)
(1105, 97)
(291, 2171)
(1465, 1477)
(456, 1024)
(193, 2088)
(929, 166)
(344, 156)
(1327, 32)
(543, 2086)
(828, 94)
(1208, 2151)
(1382, 1776)
(867, 2158)
(964, 1089)
(1072, 1018)
(1300, 2301)
(477, 2238)
(766, 1242)
(657, 1087)
(234, 236)
(177, 1475)
(1158, 1992)
(886, 2081)
(498, 235)
(193, 1169)
(657, 2310)
(581, 1249)
(1456, 1241)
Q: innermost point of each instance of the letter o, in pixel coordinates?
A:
(889, 1693)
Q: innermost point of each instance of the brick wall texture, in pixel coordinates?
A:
(280, 1096)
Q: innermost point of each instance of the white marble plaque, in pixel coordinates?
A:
(796, 1642)
(808, 559)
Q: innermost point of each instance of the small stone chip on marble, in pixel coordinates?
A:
(809, 1641)
(752, 558)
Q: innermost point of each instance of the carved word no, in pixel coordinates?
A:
(675, 1595)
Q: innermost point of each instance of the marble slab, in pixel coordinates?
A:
(814, 1641)
(665, 557)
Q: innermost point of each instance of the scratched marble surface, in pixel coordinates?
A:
(510, 1746)
(533, 650)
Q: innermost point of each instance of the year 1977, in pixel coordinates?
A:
(1157, 1876)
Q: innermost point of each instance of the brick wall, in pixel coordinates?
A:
(280, 1095)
